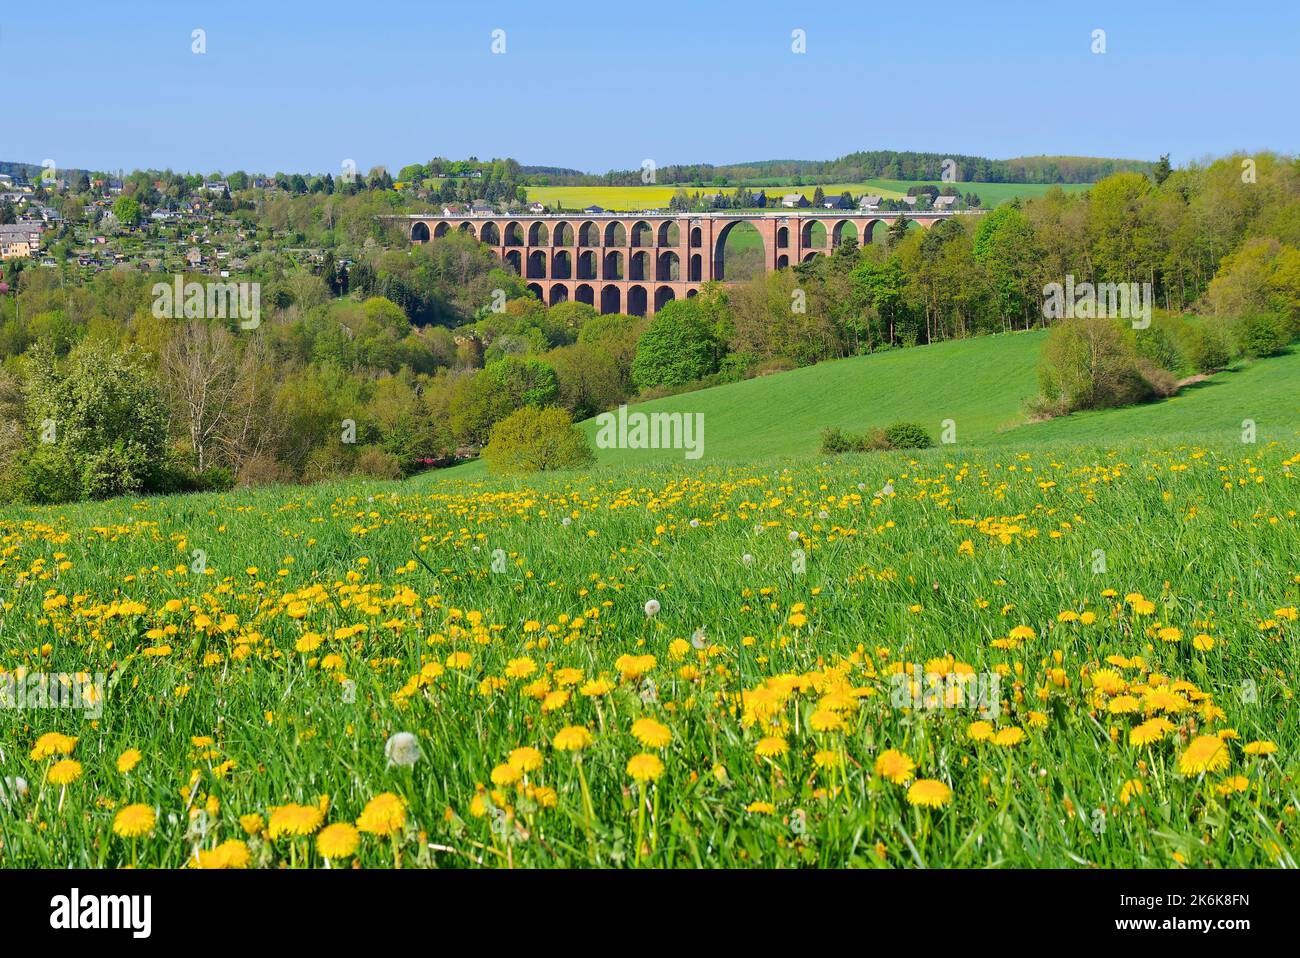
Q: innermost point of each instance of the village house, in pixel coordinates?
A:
(794, 200)
(19, 240)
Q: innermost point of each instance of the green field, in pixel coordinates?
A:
(1120, 592)
(981, 384)
(657, 197)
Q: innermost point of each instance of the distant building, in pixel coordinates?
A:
(834, 203)
(594, 209)
(871, 202)
(480, 208)
(19, 240)
(794, 200)
(536, 207)
(945, 202)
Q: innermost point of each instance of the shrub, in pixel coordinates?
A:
(534, 440)
(679, 346)
(377, 464)
(1158, 344)
(908, 435)
(48, 476)
(835, 441)
(1206, 348)
(1262, 334)
(1089, 364)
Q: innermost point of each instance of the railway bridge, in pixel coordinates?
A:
(636, 262)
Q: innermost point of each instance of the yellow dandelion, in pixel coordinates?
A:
(134, 821)
(1205, 753)
(929, 792)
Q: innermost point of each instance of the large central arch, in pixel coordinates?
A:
(720, 246)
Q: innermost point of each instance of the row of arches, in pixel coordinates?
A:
(588, 234)
(666, 267)
(611, 297)
(814, 234)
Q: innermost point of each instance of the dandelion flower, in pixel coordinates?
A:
(229, 854)
(1012, 735)
(402, 749)
(1205, 753)
(134, 821)
(645, 767)
(383, 815)
(652, 608)
(65, 772)
(771, 746)
(294, 820)
(895, 766)
(128, 760)
(525, 759)
(574, 738)
(338, 841)
(1260, 748)
(929, 792)
(651, 733)
(53, 743)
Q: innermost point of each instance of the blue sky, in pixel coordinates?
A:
(600, 85)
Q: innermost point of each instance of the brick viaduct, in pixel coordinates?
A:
(630, 263)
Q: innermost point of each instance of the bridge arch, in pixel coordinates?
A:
(613, 265)
(559, 294)
(641, 234)
(782, 261)
(663, 296)
(536, 290)
(585, 294)
(844, 230)
(562, 235)
(587, 264)
(589, 234)
(514, 260)
(539, 235)
(561, 265)
(468, 228)
(697, 237)
(537, 264)
(783, 237)
(490, 233)
(514, 235)
(615, 234)
(720, 246)
(669, 267)
(873, 231)
(441, 230)
(636, 300)
(669, 234)
(696, 268)
(420, 232)
(611, 300)
(638, 266)
(814, 235)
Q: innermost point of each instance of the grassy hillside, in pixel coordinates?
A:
(980, 383)
(1266, 391)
